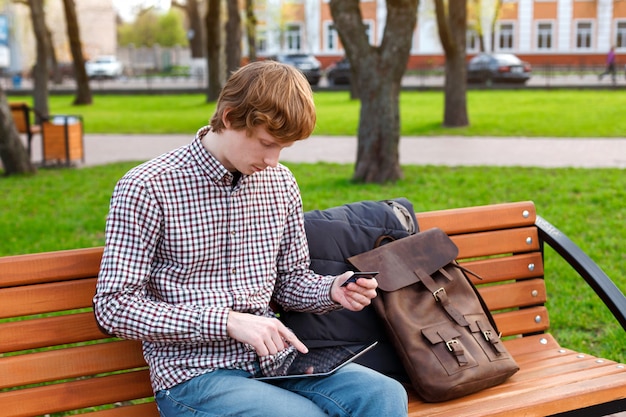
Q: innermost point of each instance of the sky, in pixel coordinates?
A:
(127, 8)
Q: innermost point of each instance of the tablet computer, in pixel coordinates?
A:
(320, 361)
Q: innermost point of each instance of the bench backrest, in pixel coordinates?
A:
(51, 347)
(501, 244)
(21, 117)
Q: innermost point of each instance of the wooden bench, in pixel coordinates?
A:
(22, 118)
(52, 362)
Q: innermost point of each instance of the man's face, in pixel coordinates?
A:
(251, 152)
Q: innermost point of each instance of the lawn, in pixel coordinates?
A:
(66, 208)
(558, 113)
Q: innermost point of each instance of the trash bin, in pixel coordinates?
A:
(62, 140)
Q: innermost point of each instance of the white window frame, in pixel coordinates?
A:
(587, 33)
(472, 41)
(544, 39)
(620, 35)
(293, 37)
(331, 37)
(502, 35)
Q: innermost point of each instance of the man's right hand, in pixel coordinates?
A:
(266, 335)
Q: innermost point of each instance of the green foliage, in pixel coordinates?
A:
(151, 28)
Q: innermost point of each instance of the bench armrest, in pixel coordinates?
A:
(586, 267)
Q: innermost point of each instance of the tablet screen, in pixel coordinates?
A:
(321, 361)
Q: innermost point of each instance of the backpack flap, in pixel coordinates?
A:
(427, 251)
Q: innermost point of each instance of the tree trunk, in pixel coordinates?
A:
(13, 155)
(378, 72)
(83, 91)
(452, 25)
(213, 49)
(251, 23)
(233, 38)
(40, 74)
(196, 32)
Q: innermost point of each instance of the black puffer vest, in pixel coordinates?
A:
(334, 235)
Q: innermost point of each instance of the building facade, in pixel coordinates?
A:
(557, 32)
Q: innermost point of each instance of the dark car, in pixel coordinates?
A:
(307, 63)
(339, 72)
(497, 68)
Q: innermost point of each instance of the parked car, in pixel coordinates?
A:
(106, 66)
(339, 72)
(498, 67)
(307, 63)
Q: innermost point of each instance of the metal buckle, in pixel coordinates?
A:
(487, 335)
(449, 344)
(440, 290)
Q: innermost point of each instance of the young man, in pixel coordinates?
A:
(201, 239)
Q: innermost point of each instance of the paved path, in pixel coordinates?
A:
(451, 151)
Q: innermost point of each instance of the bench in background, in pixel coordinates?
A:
(24, 122)
(53, 358)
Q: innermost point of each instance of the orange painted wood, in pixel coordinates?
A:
(529, 320)
(75, 395)
(480, 218)
(49, 266)
(48, 331)
(140, 410)
(44, 298)
(527, 265)
(522, 293)
(73, 362)
(497, 242)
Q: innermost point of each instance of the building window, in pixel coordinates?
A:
(583, 35)
(620, 35)
(472, 41)
(261, 41)
(331, 37)
(544, 36)
(505, 36)
(293, 37)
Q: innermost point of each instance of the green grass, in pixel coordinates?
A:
(66, 208)
(558, 113)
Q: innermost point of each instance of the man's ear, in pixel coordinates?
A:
(225, 119)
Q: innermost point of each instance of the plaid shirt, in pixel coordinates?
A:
(184, 247)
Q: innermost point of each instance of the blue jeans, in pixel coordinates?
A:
(353, 390)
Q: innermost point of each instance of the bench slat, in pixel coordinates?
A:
(49, 266)
(527, 265)
(75, 395)
(497, 243)
(46, 298)
(526, 393)
(67, 363)
(527, 320)
(480, 218)
(520, 294)
(139, 410)
(49, 331)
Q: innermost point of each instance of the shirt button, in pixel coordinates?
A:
(233, 271)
